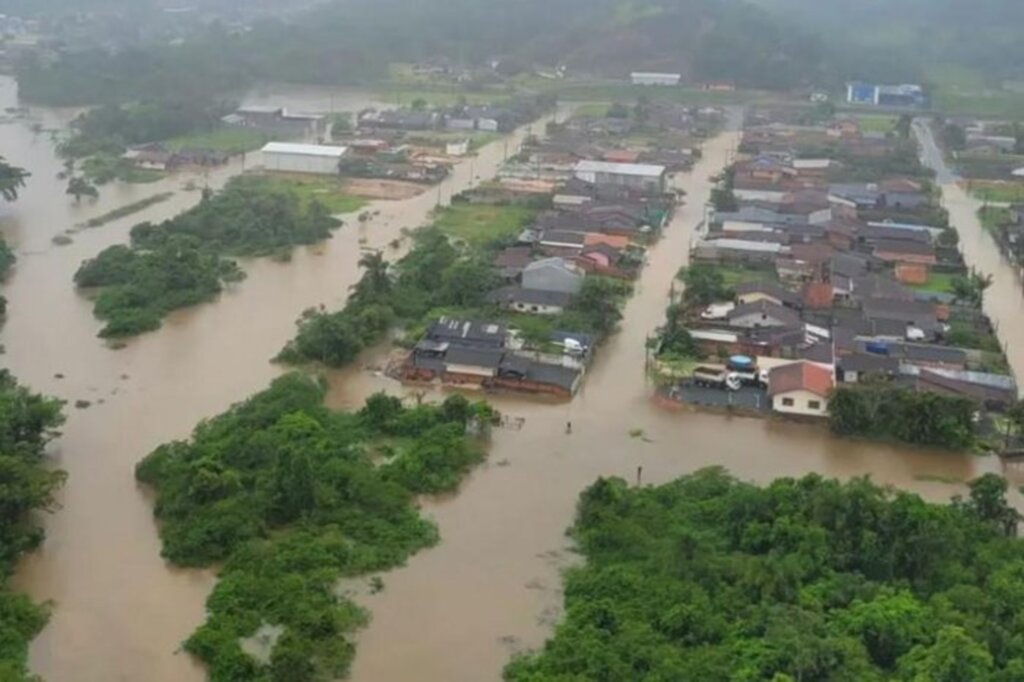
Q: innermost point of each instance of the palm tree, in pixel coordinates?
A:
(12, 179)
(376, 281)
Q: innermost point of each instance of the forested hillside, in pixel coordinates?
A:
(354, 41)
(982, 35)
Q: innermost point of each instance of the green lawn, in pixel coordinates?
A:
(737, 275)
(230, 140)
(328, 191)
(938, 283)
(876, 123)
(1009, 192)
(592, 109)
(992, 217)
(435, 96)
(480, 224)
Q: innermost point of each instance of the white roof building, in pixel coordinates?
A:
(288, 157)
(610, 168)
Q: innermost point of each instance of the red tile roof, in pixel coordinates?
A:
(800, 376)
(817, 295)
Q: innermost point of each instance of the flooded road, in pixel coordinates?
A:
(456, 611)
(1004, 300)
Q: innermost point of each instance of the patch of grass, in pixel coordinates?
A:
(328, 191)
(128, 209)
(876, 123)
(480, 224)
(230, 140)
(592, 109)
(737, 275)
(1001, 192)
(938, 282)
(102, 169)
(987, 103)
(441, 95)
(993, 217)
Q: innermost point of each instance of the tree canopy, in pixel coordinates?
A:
(27, 423)
(709, 578)
(182, 261)
(291, 497)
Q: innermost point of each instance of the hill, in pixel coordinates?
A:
(355, 41)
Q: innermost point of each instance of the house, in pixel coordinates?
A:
(852, 368)
(552, 274)
(648, 78)
(467, 333)
(560, 239)
(762, 314)
(645, 177)
(801, 388)
(512, 260)
(753, 292)
(400, 119)
(914, 320)
(302, 158)
(738, 251)
(817, 295)
(147, 158)
(905, 251)
(535, 301)
(457, 148)
(471, 365)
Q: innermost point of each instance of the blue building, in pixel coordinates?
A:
(906, 95)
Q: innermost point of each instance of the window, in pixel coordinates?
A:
(787, 402)
(814, 404)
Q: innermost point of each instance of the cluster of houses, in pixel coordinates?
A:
(838, 279)
(597, 221)
(463, 118)
(155, 156)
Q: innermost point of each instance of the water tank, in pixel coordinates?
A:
(741, 363)
(877, 347)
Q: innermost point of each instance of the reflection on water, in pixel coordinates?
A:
(454, 613)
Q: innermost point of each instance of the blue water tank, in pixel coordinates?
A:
(877, 347)
(741, 363)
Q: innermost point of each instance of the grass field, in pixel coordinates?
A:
(992, 217)
(479, 224)
(938, 282)
(876, 123)
(128, 209)
(228, 140)
(738, 275)
(1008, 192)
(328, 191)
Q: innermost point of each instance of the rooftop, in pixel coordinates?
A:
(638, 169)
(304, 149)
(800, 376)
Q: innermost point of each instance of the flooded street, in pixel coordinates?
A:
(456, 612)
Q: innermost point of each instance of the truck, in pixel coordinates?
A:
(729, 377)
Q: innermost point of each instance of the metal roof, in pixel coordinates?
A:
(640, 169)
(304, 149)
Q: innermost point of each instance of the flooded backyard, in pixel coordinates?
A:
(457, 611)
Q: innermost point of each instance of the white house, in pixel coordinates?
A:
(643, 176)
(800, 388)
(647, 78)
(302, 158)
(459, 148)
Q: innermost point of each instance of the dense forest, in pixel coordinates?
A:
(356, 41)
(183, 261)
(27, 423)
(709, 578)
(289, 498)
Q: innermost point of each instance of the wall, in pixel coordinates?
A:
(801, 400)
(300, 163)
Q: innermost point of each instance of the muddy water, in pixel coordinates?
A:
(121, 612)
(457, 612)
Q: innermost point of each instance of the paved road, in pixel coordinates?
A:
(931, 154)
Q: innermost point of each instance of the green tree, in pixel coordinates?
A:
(12, 179)
(79, 187)
(954, 657)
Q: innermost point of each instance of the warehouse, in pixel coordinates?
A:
(302, 158)
(639, 176)
(663, 79)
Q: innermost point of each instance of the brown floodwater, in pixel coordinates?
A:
(456, 611)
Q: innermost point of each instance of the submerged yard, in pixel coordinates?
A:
(480, 224)
(329, 191)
